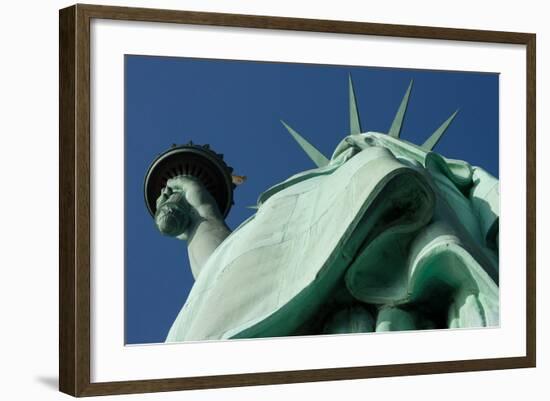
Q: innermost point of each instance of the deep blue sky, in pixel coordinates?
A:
(235, 106)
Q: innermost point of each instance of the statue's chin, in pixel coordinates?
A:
(171, 220)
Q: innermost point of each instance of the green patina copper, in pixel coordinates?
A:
(383, 236)
(436, 136)
(354, 121)
(397, 124)
(317, 157)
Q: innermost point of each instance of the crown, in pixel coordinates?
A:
(321, 160)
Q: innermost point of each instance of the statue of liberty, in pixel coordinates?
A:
(385, 235)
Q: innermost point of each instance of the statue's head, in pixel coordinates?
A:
(356, 128)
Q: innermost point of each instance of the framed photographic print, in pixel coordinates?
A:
(251, 200)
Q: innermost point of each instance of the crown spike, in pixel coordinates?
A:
(397, 124)
(436, 136)
(354, 122)
(317, 157)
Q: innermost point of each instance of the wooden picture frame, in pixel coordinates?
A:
(75, 208)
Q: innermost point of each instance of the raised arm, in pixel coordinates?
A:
(187, 211)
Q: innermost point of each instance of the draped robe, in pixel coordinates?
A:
(386, 221)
